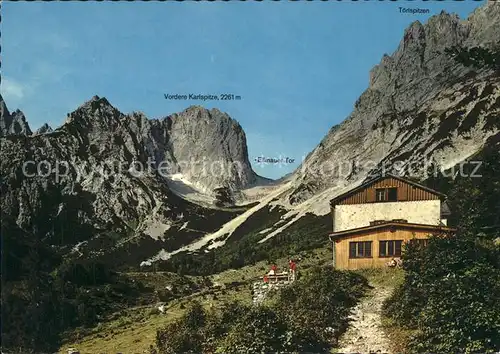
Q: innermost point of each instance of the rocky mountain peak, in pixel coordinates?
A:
(5, 117)
(3, 106)
(420, 62)
(442, 22)
(95, 113)
(12, 123)
(413, 31)
(201, 113)
(96, 100)
(45, 128)
(483, 25)
(196, 108)
(420, 103)
(445, 30)
(213, 138)
(207, 147)
(125, 170)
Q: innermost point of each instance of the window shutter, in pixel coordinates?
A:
(391, 248)
(361, 249)
(403, 192)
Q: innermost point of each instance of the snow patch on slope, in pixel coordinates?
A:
(184, 188)
(156, 229)
(281, 228)
(265, 231)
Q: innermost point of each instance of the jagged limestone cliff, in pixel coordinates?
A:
(12, 123)
(420, 106)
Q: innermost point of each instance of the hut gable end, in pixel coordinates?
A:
(387, 189)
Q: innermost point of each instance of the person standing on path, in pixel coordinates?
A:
(292, 267)
(273, 270)
(272, 273)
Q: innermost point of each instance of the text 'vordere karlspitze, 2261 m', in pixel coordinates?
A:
(202, 97)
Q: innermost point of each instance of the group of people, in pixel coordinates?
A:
(274, 271)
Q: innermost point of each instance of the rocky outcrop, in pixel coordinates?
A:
(45, 128)
(483, 26)
(12, 123)
(207, 147)
(420, 106)
(262, 290)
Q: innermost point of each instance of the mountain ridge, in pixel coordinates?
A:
(81, 186)
(415, 74)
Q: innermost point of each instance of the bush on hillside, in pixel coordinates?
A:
(298, 322)
(258, 330)
(321, 299)
(223, 197)
(234, 328)
(451, 290)
(183, 336)
(84, 273)
(450, 294)
(476, 57)
(474, 195)
(43, 296)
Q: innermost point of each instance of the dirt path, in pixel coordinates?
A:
(365, 334)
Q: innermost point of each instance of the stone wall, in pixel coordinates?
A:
(261, 289)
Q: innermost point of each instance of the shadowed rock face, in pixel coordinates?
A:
(99, 176)
(216, 145)
(45, 128)
(420, 105)
(12, 123)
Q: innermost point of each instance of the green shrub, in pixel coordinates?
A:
(451, 290)
(46, 297)
(321, 299)
(450, 294)
(297, 323)
(183, 336)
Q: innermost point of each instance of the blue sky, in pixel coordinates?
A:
(298, 66)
